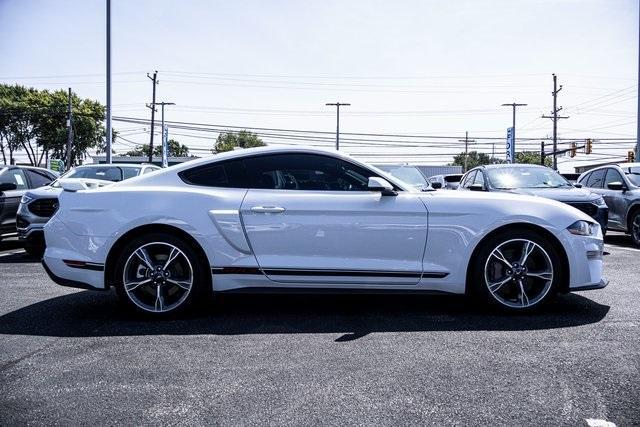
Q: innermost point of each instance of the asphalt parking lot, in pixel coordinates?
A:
(74, 357)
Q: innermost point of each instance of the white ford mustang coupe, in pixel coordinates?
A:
(283, 219)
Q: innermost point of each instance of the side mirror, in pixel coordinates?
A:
(476, 187)
(577, 185)
(615, 186)
(436, 185)
(7, 186)
(382, 185)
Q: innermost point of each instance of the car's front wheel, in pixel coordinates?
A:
(517, 271)
(160, 274)
(634, 227)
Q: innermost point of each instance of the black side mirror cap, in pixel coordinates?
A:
(616, 186)
(577, 185)
(436, 185)
(476, 187)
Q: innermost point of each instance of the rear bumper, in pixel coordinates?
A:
(67, 282)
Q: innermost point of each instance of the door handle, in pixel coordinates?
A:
(267, 209)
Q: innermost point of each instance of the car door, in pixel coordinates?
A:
(10, 200)
(310, 219)
(614, 199)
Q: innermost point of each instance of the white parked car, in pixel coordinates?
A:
(294, 218)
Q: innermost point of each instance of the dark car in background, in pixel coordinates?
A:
(37, 206)
(619, 186)
(534, 180)
(14, 182)
(448, 182)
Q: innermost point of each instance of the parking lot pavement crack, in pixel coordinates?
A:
(10, 364)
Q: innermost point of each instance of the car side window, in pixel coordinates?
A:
(596, 178)
(468, 180)
(309, 172)
(15, 176)
(584, 179)
(612, 176)
(229, 174)
(479, 179)
(130, 172)
(38, 178)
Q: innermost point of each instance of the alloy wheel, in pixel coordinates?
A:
(518, 273)
(635, 228)
(157, 277)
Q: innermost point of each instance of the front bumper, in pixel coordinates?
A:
(586, 266)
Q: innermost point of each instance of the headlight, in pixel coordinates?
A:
(583, 228)
(26, 199)
(600, 202)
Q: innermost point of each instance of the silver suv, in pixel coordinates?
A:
(619, 185)
(38, 206)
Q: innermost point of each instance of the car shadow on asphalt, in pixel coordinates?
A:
(91, 314)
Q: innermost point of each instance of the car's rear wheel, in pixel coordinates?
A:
(634, 227)
(160, 275)
(517, 271)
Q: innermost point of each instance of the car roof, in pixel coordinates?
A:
(266, 150)
(123, 165)
(510, 165)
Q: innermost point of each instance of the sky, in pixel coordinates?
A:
(424, 67)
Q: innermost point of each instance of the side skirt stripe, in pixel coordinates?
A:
(314, 272)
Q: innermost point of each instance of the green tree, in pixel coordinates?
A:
(474, 159)
(175, 149)
(36, 121)
(244, 139)
(533, 158)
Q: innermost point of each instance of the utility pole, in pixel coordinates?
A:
(337, 105)
(108, 112)
(154, 79)
(67, 160)
(164, 144)
(555, 117)
(466, 141)
(514, 105)
(638, 112)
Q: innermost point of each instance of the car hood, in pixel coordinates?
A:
(565, 194)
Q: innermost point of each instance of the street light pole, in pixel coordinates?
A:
(337, 105)
(108, 112)
(165, 155)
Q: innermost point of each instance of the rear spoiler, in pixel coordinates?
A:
(78, 184)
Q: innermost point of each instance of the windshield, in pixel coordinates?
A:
(525, 177)
(410, 175)
(106, 173)
(633, 174)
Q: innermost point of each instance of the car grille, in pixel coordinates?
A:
(43, 207)
(588, 208)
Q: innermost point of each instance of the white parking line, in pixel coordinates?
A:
(19, 251)
(624, 248)
(594, 422)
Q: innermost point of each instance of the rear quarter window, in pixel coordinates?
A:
(230, 174)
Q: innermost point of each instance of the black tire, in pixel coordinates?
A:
(35, 250)
(200, 283)
(634, 227)
(477, 281)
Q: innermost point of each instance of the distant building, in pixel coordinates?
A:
(157, 160)
(586, 167)
(426, 170)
